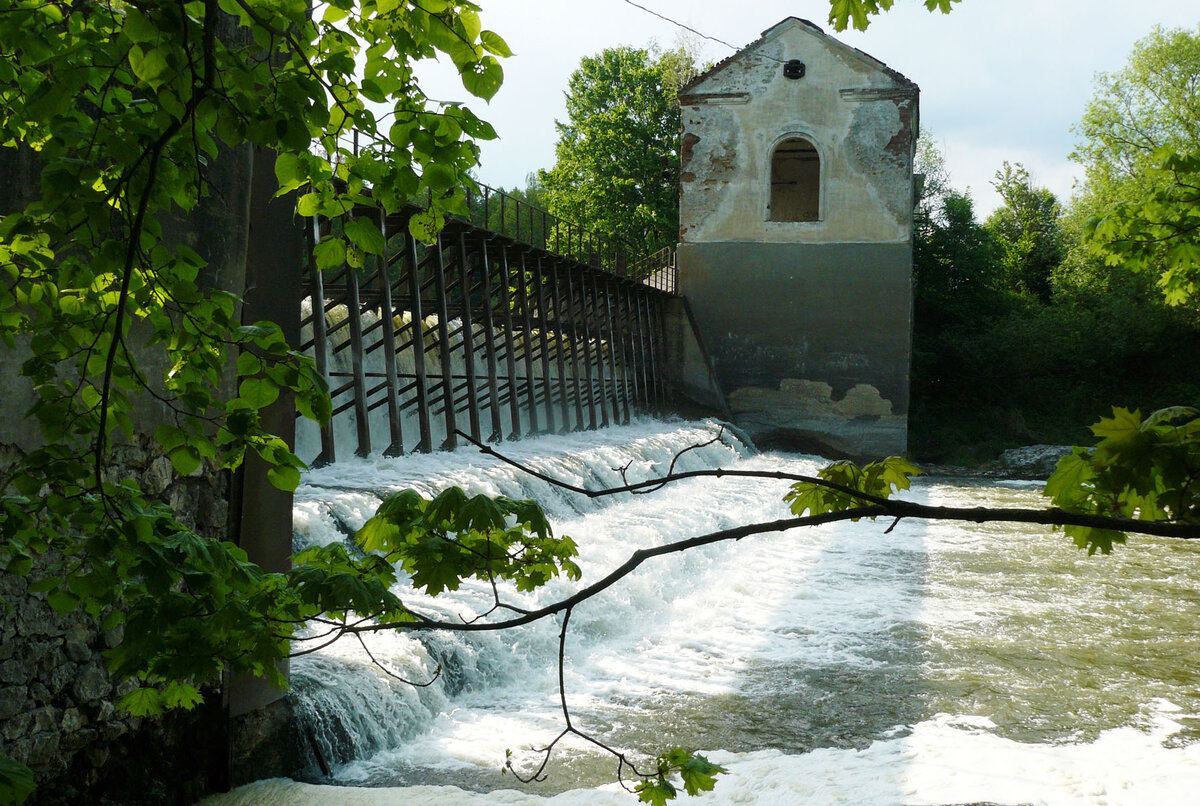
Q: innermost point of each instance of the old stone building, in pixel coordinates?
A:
(796, 238)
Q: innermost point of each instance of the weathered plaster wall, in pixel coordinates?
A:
(860, 116)
(689, 372)
(807, 323)
(810, 343)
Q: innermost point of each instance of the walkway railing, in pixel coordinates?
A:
(502, 213)
(659, 270)
(479, 331)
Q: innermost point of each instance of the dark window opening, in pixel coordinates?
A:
(794, 69)
(795, 181)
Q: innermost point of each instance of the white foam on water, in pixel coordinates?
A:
(945, 760)
(852, 641)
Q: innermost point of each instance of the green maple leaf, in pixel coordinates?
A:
(142, 702)
(699, 774)
(1120, 425)
(1070, 483)
(655, 792)
(16, 781)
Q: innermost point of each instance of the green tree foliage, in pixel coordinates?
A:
(127, 109)
(932, 177)
(1140, 472)
(954, 265)
(493, 538)
(1141, 153)
(953, 257)
(1147, 469)
(1153, 102)
(845, 486)
(957, 294)
(1026, 228)
(994, 367)
(1158, 233)
(843, 13)
(617, 155)
(697, 773)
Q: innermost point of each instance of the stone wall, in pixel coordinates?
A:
(57, 701)
(687, 369)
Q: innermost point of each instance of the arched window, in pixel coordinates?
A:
(795, 181)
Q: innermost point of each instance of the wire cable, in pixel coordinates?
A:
(700, 34)
(681, 25)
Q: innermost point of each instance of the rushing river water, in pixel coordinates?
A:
(936, 663)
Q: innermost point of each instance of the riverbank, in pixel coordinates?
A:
(1029, 463)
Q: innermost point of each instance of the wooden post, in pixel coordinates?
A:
(328, 453)
(387, 312)
(636, 352)
(587, 346)
(598, 330)
(614, 345)
(561, 339)
(539, 280)
(648, 340)
(468, 339)
(526, 337)
(443, 326)
(489, 334)
(510, 356)
(354, 312)
(574, 349)
(654, 313)
(417, 329)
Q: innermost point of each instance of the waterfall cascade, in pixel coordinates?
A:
(348, 704)
(927, 664)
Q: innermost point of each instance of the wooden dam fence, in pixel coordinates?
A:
(531, 326)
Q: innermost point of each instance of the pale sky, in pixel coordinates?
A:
(1000, 79)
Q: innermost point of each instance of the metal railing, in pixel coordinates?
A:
(504, 214)
(477, 332)
(658, 270)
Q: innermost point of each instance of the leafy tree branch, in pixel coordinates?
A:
(130, 110)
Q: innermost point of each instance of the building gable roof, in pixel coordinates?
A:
(776, 30)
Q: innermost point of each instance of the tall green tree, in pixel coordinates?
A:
(933, 179)
(1154, 101)
(1139, 207)
(954, 265)
(953, 256)
(1027, 229)
(617, 155)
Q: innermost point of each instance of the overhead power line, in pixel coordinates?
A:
(700, 34)
(681, 25)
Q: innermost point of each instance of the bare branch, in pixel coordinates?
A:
(436, 672)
